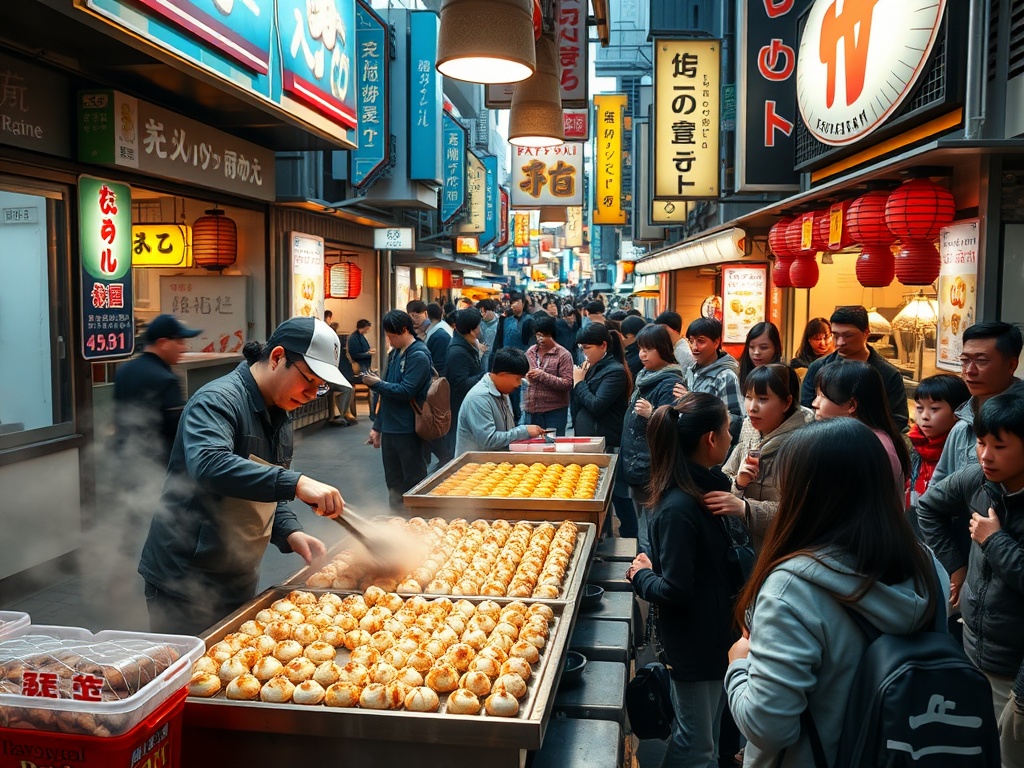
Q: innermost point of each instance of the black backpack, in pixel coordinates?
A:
(649, 703)
(916, 701)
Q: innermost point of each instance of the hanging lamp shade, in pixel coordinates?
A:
(346, 281)
(553, 215)
(486, 41)
(214, 240)
(865, 221)
(777, 242)
(536, 118)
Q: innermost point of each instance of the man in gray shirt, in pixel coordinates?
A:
(486, 422)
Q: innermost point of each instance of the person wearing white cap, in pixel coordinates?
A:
(228, 481)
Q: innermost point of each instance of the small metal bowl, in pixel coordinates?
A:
(572, 671)
(592, 595)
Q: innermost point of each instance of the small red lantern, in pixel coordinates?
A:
(876, 266)
(214, 240)
(915, 213)
(918, 263)
(804, 272)
(779, 245)
(865, 221)
(780, 272)
(822, 224)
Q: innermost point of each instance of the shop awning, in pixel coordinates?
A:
(715, 248)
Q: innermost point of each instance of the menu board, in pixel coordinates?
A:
(307, 252)
(216, 304)
(743, 300)
(958, 290)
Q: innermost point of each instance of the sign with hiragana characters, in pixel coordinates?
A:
(161, 245)
(425, 99)
(687, 74)
(476, 197)
(105, 244)
(547, 175)
(453, 191)
(318, 54)
(573, 227)
(608, 110)
(571, 37)
(373, 80)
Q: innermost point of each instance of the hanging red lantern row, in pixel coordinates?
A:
(777, 242)
(839, 238)
(822, 223)
(915, 213)
(865, 221)
(803, 273)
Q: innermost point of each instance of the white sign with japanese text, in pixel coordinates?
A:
(394, 239)
(216, 304)
(958, 290)
(547, 175)
(743, 300)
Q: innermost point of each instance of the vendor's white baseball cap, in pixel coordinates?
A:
(318, 344)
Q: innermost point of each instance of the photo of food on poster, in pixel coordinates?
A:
(743, 300)
(711, 308)
(957, 290)
(307, 275)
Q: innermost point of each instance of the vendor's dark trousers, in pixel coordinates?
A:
(170, 615)
(405, 464)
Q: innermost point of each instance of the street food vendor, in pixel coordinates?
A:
(228, 481)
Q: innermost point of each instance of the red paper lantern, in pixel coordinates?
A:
(876, 266)
(822, 224)
(804, 272)
(346, 281)
(918, 263)
(214, 240)
(778, 243)
(865, 222)
(919, 209)
(795, 237)
(780, 272)
(845, 239)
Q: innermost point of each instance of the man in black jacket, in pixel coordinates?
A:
(629, 328)
(463, 363)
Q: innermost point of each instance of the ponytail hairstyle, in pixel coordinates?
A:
(760, 329)
(256, 352)
(853, 380)
(673, 435)
(598, 333)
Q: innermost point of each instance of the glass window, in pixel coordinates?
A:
(35, 390)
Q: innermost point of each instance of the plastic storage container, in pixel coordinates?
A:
(154, 742)
(561, 445)
(13, 623)
(105, 719)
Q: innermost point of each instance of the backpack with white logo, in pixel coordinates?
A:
(916, 701)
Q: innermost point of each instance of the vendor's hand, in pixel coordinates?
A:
(679, 390)
(579, 373)
(369, 379)
(309, 548)
(748, 472)
(983, 527)
(534, 431)
(643, 408)
(956, 581)
(740, 649)
(374, 438)
(325, 499)
(640, 562)
(724, 503)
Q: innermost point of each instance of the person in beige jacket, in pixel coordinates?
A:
(773, 414)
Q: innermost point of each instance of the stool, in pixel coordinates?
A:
(615, 549)
(599, 695)
(571, 743)
(610, 575)
(601, 640)
(616, 606)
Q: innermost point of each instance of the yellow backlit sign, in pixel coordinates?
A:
(467, 244)
(608, 159)
(161, 245)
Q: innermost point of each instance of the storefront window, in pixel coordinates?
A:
(35, 392)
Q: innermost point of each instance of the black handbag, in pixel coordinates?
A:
(649, 702)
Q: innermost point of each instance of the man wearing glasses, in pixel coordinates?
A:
(990, 355)
(228, 481)
(850, 334)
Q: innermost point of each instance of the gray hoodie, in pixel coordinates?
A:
(804, 652)
(959, 450)
(721, 378)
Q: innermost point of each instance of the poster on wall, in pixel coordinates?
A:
(743, 300)
(958, 290)
(307, 274)
(215, 304)
(403, 286)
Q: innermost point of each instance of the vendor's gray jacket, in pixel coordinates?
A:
(187, 550)
(485, 420)
(992, 596)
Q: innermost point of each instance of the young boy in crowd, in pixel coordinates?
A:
(936, 401)
(993, 575)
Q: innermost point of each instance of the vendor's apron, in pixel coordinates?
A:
(248, 526)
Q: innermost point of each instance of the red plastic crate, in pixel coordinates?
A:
(154, 743)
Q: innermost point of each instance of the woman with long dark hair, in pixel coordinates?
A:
(763, 346)
(816, 342)
(852, 388)
(685, 577)
(840, 540)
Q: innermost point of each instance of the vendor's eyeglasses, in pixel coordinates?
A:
(321, 388)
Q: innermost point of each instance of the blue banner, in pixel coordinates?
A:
(490, 233)
(318, 51)
(424, 99)
(372, 84)
(453, 192)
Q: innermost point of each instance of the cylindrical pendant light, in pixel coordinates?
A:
(536, 115)
(553, 215)
(486, 41)
(214, 240)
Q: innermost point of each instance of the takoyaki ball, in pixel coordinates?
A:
(299, 669)
(266, 668)
(372, 595)
(277, 690)
(366, 655)
(442, 677)
(526, 650)
(395, 657)
(265, 645)
(342, 694)
(334, 636)
(286, 650)
(243, 688)
(501, 704)
(382, 672)
(462, 702)
(518, 666)
(356, 638)
(252, 627)
(420, 660)
(374, 696)
(327, 673)
(319, 651)
(279, 630)
(309, 692)
(511, 683)
(207, 665)
(422, 699)
(477, 682)
(354, 673)
(534, 636)
(204, 685)
(345, 621)
(231, 669)
(540, 609)
(487, 665)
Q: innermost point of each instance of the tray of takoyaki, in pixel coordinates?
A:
(359, 665)
(485, 558)
(561, 486)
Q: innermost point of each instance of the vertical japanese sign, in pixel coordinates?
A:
(307, 253)
(453, 191)
(572, 40)
(503, 210)
(372, 85)
(521, 230)
(476, 197)
(318, 48)
(608, 159)
(958, 290)
(766, 114)
(686, 118)
(105, 219)
(547, 175)
(424, 99)
(490, 233)
(573, 227)
(743, 300)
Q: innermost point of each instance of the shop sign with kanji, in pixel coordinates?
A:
(476, 197)
(105, 243)
(687, 105)
(373, 67)
(161, 245)
(453, 192)
(425, 99)
(547, 175)
(609, 109)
